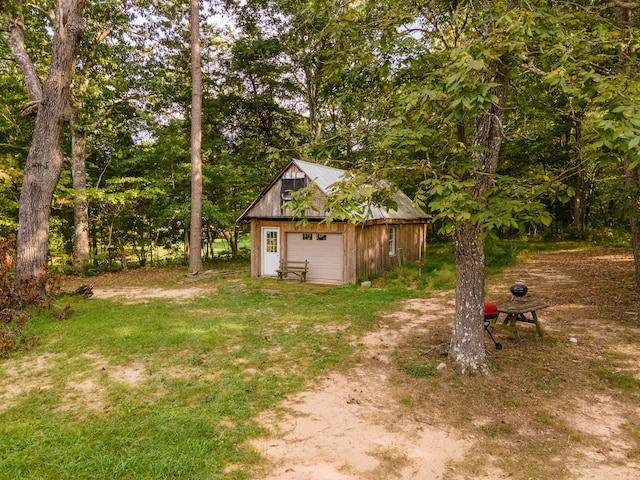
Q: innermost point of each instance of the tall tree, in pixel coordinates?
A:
(45, 160)
(628, 68)
(195, 237)
(450, 119)
(97, 89)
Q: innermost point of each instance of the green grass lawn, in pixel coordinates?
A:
(204, 370)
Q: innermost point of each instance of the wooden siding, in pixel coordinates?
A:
(269, 205)
(372, 244)
(365, 248)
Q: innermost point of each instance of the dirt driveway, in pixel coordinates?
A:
(566, 406)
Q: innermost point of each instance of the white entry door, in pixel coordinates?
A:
(270, 251)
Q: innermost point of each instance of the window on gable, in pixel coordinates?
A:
(293, 183)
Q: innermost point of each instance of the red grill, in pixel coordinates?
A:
(491, 312)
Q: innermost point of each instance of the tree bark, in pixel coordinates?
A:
(467, 339)
(632, 182)
(195, 252)
(312, 103)
(45, 161)
(80, 203)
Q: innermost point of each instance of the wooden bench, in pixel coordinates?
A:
(296, 267)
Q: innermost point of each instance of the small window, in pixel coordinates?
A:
(392, 240)
(307, 236)
(289, 185)
(272, 242)
(321, 236)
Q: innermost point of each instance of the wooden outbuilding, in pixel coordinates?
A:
(338, 252)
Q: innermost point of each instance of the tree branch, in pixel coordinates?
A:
(434, 22)
(23, 60)
(531, 67)
(619, 4)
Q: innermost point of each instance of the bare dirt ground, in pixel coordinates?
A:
(566, 406)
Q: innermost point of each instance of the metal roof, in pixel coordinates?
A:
(325, 177)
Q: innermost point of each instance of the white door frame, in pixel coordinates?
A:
(270, 260)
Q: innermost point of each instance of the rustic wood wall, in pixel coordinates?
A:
(269, 204)
(373, 247)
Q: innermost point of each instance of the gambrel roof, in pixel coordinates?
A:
(325, 178)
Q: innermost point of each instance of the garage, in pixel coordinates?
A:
(324, 251)
(338, 251)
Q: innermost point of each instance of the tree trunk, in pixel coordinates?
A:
(467, 340)
(80, 203)
(632, 181)
(312, 104)
(578, 199)
(232, 240)
(45, 161)
(195, 253)
(467, 344)
(631, 174)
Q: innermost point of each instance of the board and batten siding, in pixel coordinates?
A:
(373, 247)
(269, 205)
(365, 247)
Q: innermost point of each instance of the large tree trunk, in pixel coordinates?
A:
(80, 203)
(44, 162)
(467, 340)
(195, 240)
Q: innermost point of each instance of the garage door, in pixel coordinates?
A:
(324, 252)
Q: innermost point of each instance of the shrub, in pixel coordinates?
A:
(12, 318)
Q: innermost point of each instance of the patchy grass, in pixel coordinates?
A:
(166, 388)
(419, 371)
(152, 388)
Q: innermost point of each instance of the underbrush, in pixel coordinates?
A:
(13, 317)
(116, 261)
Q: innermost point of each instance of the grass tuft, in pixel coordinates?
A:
(419, 371)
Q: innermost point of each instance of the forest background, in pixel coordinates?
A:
(514, 118)
(383, 88)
